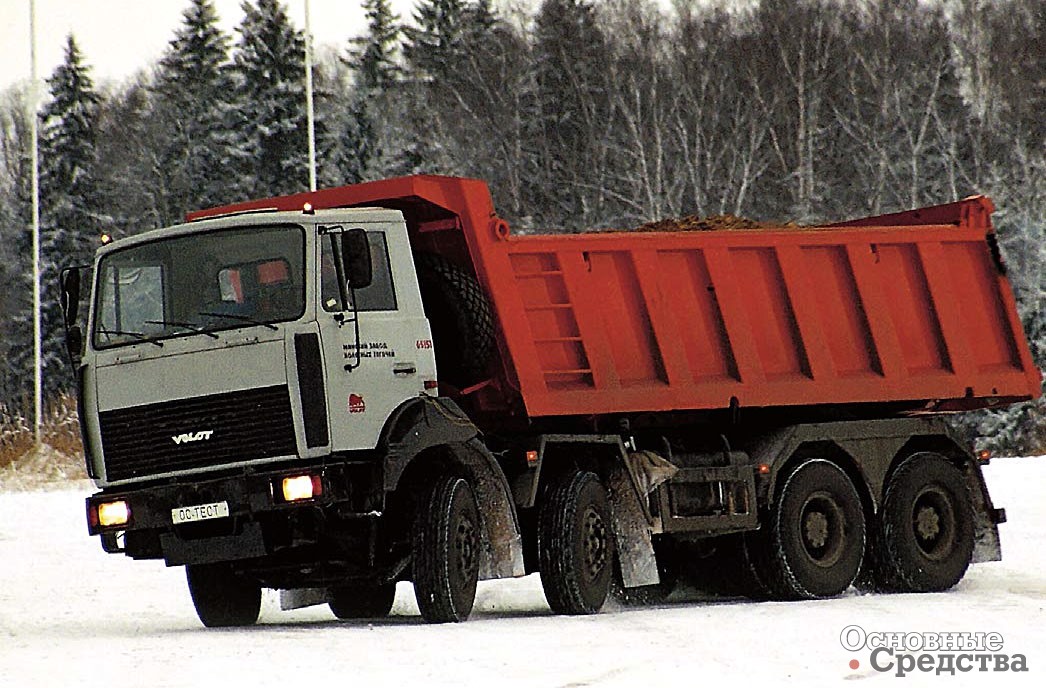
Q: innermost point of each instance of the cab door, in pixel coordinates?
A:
(376, 340)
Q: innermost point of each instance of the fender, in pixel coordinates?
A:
(425, 422)
(419, 424)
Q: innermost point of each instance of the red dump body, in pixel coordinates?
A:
(912, 307)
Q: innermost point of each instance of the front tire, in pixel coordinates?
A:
(576, 544)
(816, 533)
(926, 533)
(446, 549)
(221, 597)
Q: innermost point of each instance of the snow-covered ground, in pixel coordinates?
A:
(71, 615)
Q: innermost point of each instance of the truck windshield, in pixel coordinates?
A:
(199, 284)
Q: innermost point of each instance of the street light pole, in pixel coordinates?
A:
(309, 116)
(34, 100)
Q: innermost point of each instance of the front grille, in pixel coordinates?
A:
(243, 426)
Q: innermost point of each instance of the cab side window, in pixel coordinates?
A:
(379, 296)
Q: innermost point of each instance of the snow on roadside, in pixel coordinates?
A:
(71, 615)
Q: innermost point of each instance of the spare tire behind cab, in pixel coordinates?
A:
(461, 320)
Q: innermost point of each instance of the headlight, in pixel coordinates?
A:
(301, 487)
(116, 513)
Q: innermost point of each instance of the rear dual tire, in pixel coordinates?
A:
(925, 536)
(815, 540)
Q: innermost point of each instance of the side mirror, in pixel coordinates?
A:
(74, 344)
(355, 257)
(70, 291)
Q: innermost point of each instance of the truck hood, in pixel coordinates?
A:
(185, 372)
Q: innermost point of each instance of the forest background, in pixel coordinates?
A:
(579, 115)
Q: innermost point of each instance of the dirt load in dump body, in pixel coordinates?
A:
(692, 223)
(908, 311)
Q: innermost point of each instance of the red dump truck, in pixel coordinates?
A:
(334, 391)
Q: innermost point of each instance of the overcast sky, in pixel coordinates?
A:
(119, 37)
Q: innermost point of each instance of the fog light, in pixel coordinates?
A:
(116, 513)
(302, 487)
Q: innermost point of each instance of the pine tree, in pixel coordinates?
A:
(373, 60)
(70, 217)
(438, 43)
(373, 55)
(15, 245)
(466, 71)
(570, 53)
(269, 64)
(482, 20)
(192, 99)
(357, 143)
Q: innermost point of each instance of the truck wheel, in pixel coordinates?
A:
(816, 533)
(460, 317)
(575, 544)
(221, 597)
(362, 601)
(925, 541)
(446, 549)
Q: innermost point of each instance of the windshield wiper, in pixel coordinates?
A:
(241, 318)
(192, 327)
(136, 335)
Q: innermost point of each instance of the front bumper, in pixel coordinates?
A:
(260, 523)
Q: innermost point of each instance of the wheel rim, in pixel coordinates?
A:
(465, 547)
(933, 522)
(822, 529)
(594, 543)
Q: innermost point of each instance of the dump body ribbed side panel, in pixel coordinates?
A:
(629, 322)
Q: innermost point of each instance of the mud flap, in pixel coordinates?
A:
(503, 556)
(986, 518)
(634, 545)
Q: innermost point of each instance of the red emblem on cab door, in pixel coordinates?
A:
(356, 404)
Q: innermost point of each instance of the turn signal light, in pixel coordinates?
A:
(984, 456)
(116, 513)
(302, 487)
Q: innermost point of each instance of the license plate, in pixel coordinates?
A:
(200, 512)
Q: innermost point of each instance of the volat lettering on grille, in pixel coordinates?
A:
(192, 436)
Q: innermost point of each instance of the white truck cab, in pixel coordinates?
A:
(228, 342)
(259, 403)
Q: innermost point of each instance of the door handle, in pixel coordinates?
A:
(404, 369)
